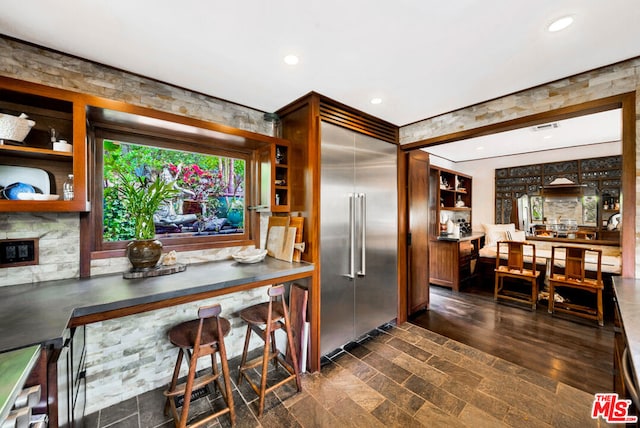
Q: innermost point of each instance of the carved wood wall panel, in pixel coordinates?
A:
(603, 175)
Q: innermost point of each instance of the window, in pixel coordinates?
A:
(211, 211)
(210, 199)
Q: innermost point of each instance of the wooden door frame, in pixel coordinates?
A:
(626, 102)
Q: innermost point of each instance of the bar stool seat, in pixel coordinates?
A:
(183, 335)
(264, 319)
(198, 338)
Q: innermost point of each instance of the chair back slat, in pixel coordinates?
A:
(276, 290)
(515, 258)
(574, 263)
(516, 255)
(209, 311)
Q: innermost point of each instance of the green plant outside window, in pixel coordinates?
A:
(209, 191)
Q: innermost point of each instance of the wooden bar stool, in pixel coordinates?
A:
(198, 338)
(264, 319)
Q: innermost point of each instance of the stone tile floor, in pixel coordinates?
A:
(397, 376)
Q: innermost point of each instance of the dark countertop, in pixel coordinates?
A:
(33, 314)
(472, 236)
(627, 291)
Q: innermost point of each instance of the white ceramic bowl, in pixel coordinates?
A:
(62, 146)
(250, 256)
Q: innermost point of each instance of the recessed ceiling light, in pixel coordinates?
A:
(291, 59)
(560, 24)
(480, 148)
(547, 137)
(376, 100)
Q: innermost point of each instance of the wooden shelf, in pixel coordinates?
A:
(36, 153)
(274, 197)
(43, 206)
(455, 208)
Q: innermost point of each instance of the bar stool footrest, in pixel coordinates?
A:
(257, 362)
(197, 384)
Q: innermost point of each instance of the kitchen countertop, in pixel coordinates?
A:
(470, 237)
(34, 314)
(627, 291)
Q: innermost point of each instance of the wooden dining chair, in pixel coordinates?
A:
(574, 275)
(515, 269)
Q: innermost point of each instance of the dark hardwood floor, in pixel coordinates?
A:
(570, 350)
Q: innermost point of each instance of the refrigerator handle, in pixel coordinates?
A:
(363, 234)
(352, 236)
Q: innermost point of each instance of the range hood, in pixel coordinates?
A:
(563, 187)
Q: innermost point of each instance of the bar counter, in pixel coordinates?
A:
(33, 314)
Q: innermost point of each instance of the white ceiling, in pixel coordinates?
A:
(595, 128)
(423, 58)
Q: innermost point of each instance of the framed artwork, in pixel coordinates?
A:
(590, 210)
(537, 212)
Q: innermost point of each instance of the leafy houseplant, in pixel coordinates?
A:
(142, 197)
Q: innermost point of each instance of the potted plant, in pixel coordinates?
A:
(142, 197)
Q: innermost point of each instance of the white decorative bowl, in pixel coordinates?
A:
(14, 128)
(249, 256)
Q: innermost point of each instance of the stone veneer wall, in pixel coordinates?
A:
(600, 83)
(124, 359)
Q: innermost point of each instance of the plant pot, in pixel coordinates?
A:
(144, 254)
(234, 216)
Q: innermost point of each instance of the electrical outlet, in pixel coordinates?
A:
(18, 252)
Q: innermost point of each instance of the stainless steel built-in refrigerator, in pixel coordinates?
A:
(358, 235)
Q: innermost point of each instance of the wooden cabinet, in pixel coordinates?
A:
(55, 112)
(453, 261)
(452, 193)
(61, 374)
(274, 178)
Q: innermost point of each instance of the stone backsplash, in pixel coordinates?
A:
(59, 239)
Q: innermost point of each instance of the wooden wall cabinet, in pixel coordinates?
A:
(274, 178)
(51, 109)
(452, 192)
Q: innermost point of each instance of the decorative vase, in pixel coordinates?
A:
(235, 217)
(144, 254)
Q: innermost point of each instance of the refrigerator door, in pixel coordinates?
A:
(358, 235)
(337, 238)
(376, 262)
